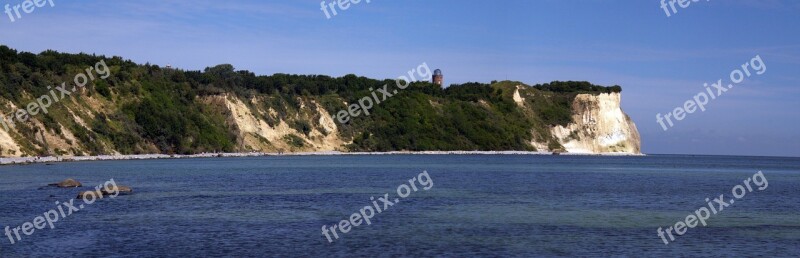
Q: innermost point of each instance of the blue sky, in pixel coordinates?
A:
(659, 61)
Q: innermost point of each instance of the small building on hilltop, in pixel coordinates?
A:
(438, 78)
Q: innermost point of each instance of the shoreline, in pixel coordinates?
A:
(53, 159)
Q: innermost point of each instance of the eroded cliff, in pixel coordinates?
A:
(147, 109)
(599, 126)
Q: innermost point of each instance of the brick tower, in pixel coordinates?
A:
(438, 78)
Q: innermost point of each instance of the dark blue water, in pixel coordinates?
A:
(478, 206)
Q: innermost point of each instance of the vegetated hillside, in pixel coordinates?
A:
(150, 109)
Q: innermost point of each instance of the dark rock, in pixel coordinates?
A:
(87, 195)
(68, 183)
(106, 191)
(111, 190)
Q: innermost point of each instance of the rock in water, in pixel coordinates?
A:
(111, 190)
(105, 191)
(68, 183)
(87, 195)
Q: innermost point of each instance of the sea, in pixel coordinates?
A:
(441, 206)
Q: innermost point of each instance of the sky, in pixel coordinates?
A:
(660, 61)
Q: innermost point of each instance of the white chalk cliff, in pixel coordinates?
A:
(599, 126)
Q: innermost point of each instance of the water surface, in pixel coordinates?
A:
(479, 205)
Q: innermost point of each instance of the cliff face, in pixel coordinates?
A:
(254, 125)
(132, 108)
(250, 123)
(599, 126)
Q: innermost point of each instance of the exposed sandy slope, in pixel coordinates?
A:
(254, 133)
(54, 143)
(8, 146)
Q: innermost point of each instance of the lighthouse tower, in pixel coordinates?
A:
(438, 78)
